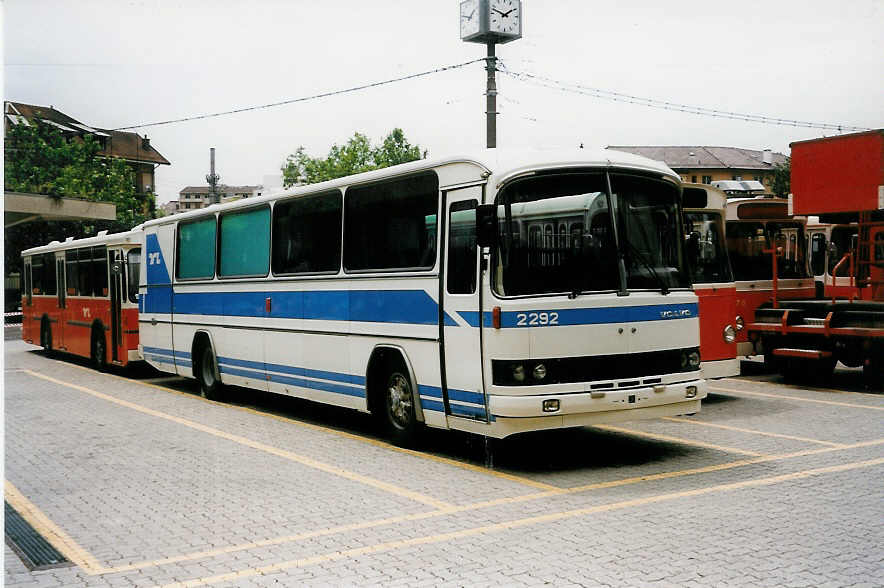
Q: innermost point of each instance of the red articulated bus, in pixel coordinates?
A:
(81, 297)
(755, 227)
(712, 279)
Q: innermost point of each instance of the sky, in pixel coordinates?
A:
(115, 63)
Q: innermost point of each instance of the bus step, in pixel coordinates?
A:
(803, 353)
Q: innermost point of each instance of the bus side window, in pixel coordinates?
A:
(133, 268)
(27, 281)
(818, 254)
(84, 267)
(462, 247)
(72, 272)
(99, 271)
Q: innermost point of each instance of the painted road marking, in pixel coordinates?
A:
(752, 431)
(797, 398)
(672, 439)
(524, 522)
(285, 454)
(344, 434)
(56, 537)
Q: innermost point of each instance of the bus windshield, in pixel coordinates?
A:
(704, 249)
(746, 242)
(565, 233)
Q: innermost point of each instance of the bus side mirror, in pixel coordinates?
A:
(486, 225)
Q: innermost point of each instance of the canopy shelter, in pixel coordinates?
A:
(20, 208)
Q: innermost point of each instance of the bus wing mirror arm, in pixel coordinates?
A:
(486, 225)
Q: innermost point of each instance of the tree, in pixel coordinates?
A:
(39, 159)
(782, 178)
(355, 156)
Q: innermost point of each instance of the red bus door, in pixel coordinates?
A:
(116, 294)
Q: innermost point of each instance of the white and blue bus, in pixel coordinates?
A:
(493, 294)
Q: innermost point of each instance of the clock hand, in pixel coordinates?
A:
(507, 13)
(499, 12)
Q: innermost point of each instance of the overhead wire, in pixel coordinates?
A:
(303, 98)
(577, 88)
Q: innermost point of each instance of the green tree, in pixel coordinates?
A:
(39, 159)
(355, 156)
(782, 178)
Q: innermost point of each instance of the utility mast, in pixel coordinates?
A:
(213, 178)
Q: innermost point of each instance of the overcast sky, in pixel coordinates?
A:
(116, 63)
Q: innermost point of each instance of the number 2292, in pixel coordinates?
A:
(536, 319)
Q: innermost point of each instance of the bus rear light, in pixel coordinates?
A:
(495, 317)
(551, 405)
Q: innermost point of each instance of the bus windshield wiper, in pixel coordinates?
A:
(664, 289)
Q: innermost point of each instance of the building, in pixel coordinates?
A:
(134, 149)
(705, 165)
(168, 208)
(194, 197)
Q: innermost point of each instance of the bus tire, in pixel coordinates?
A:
(207, 373)
(398, 412)
(46, 336)
(99, 348)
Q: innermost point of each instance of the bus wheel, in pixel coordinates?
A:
(46, 337)
(399, 400)
(99, 350)
(207, 374)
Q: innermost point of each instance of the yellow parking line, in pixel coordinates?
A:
(291, 456)
(346, 435)
(798, 398)
(523, 522)
(752, 431)
(672, 439)
(51, 532)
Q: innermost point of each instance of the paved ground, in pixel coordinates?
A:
(140, 482)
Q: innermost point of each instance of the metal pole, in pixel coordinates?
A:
(491, 98)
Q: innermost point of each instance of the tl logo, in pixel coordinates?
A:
(153, 258)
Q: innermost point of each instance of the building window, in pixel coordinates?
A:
(693, 179)
(707, 179)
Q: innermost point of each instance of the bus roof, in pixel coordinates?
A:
(133, 237)
(498, 165)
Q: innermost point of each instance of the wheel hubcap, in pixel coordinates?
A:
(401, 401)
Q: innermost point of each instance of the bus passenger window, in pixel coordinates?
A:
(72, 272)
(385, 226)
(462, 247)
(85, 270)
(307, 234)
(196, 249)
(245, 243)
(37, 274)
(99, 271)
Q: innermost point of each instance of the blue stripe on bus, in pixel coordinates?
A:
(376, 306)
(296, 371)
(469, 411)
(300, 382)
(432, 405)
(590, 316)
(453, 394)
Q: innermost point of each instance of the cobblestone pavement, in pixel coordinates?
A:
(139, 481)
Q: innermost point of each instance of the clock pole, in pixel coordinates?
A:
(491, 98)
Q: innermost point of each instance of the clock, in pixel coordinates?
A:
(469, 18)
(505, 17)
(490, 21)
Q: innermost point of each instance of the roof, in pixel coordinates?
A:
(122, 144)
(704, 157)
(221, 188)
(497, 165)
(102, 238)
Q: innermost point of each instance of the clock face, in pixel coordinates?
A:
(469, 17)
(505, 17)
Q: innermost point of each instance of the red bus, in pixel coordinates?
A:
(755, 226)
(712, 279)
(827, 245)
(81, 297)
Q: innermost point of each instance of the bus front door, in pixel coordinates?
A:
(61, 290)
(116, 294)
(459, 296)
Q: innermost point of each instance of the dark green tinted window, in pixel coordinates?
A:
(196, 249)
(307, 234)
(245, 243)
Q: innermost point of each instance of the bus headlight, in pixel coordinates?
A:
(519, 372)
(690, 360)
(539, 371)
(730, 334)
(740, 323)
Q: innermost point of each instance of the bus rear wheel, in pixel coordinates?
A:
(399, 413)
(99, 350)
(207, 374)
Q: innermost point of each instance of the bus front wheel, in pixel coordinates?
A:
(207, 374)
(399, 413)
